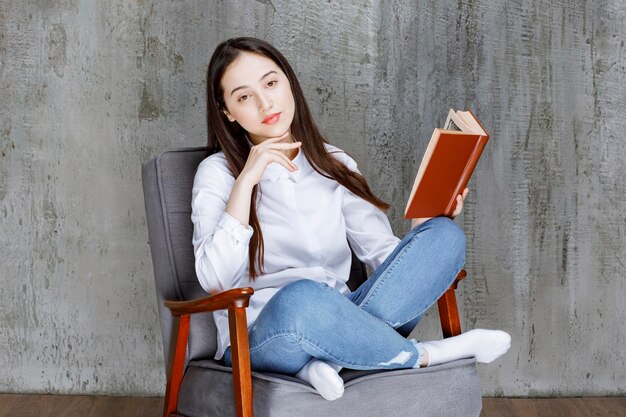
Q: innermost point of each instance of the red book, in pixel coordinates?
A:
(447, 165)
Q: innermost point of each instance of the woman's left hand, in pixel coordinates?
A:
(459, 208)
(459, 203)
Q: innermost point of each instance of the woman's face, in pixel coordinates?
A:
(255, 88)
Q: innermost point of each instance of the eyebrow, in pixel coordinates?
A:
(246, 86)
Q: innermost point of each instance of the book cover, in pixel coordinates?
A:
(448, 163)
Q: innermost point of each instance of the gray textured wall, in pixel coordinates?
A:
(91, 89)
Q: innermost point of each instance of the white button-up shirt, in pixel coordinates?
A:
(307, 222)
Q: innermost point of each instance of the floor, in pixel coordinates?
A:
(555, 407)
(100, 406)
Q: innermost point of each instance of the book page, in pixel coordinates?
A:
(420, 172)
(454, 122)
(470, 121)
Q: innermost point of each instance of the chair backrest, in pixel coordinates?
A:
(167, 181)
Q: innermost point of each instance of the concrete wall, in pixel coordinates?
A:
(91, 89)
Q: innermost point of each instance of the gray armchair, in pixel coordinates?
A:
(198, 385)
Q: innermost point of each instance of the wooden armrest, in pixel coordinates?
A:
(448, 311)
(235, 300)
(236, 297)
(459, 277)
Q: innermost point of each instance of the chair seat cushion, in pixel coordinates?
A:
(451, 389)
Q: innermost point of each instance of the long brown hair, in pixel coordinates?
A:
(231, 138)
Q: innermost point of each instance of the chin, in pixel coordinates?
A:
(275, 131)
(272, 131)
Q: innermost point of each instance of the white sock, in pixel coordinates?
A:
(482, 344)
(324, 377)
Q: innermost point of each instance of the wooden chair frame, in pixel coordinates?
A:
(236, 300)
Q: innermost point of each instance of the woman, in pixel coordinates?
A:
(277, 208)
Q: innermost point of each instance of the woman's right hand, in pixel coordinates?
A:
(265, 153)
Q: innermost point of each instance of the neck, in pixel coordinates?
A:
(292, 153)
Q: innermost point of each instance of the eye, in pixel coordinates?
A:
(242, 98)
(273, 81)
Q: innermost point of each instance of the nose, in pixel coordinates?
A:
(264, 102)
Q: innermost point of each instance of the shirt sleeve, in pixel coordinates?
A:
(220, 241)
(368, 230)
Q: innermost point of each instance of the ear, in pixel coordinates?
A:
(230, 118)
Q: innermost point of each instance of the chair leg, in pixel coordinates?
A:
(448, 311)
(178, 352)
(240, 355)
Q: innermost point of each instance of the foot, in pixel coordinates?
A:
(482, 344)
(324, 377)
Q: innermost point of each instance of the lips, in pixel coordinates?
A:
(271, 119)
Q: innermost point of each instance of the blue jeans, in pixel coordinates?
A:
(366, 329)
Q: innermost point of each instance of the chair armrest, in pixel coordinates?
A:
(448, 311)
(236, 297)
(462, 274)
(235, 301)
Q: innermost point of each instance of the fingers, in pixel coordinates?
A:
(265, 145)
(282, 159)
(459, 206)
(461, 198)
(286, 145)
(271, 146)
(459, 203)
(266, 152)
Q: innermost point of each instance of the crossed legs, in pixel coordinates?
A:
(311, 330)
